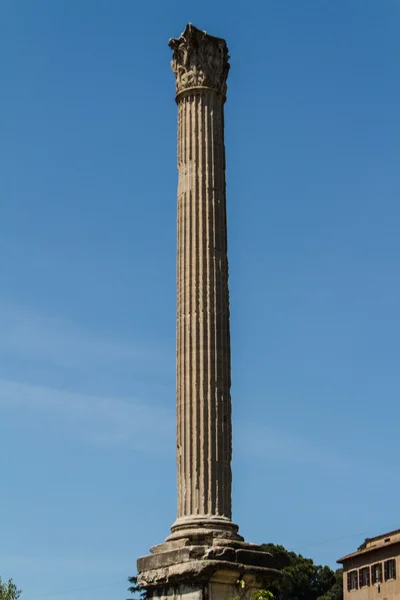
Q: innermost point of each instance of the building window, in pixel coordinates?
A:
(376, 573)
(390, 569)
(363, 576)
(352, 580)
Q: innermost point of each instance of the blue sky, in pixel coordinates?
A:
(87, 265)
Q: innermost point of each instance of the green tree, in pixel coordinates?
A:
(9, 591)
(336, 591)
(135, 589)
(301, 578)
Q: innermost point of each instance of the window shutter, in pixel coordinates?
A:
(348, 582)
(360, 578)
(386, 567)
(394, 569)
(367, 572)
(380, 571)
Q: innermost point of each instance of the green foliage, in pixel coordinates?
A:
(258, 595)
(336, 591)
(302, 579)
(241, 591)
(9, 591)
(134, 589)
(262, 595)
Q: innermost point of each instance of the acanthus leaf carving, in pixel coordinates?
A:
(199, 60)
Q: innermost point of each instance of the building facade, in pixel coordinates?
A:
(372, 573)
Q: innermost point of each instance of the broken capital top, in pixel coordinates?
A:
(199, 61)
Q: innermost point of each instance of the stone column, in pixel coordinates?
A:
(204, 558)
(204, 437)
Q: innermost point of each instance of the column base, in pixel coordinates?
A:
(209, 526)
(190, 565)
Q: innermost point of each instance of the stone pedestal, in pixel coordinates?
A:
(205, 568)
(204, 558)
(222, 586)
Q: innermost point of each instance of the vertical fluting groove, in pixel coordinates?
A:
(178, 309)
(182, 479)
(207, 372)
(204, 391)
(217, 310)
(186, 408)
(198, 350)
(222, 312)
(188, 369)
(218, 420)
(210, 328)
(182, 285)
(214, 397)
(213, 323)
(185, 193)
(211, 398)
(194, 258)
(192, 209)
(179, 316)
(200, 434)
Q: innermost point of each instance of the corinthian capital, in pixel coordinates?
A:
(199, 61)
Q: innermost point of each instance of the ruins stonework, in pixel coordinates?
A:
(204, 556)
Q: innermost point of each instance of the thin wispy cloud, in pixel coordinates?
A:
(100, 419)
(116, 421)
(79, 563)
(273, 444)
(109, 420)
(26, 335)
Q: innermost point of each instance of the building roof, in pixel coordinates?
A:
(382, 535)
(373, 547)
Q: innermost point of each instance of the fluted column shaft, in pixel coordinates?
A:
(204, 429)
(203, 341)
